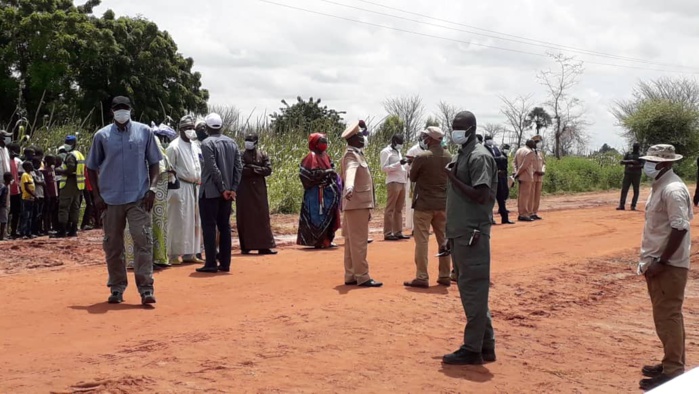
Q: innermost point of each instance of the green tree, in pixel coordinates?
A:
(661, 121)
(306, 117)
(60, 61)
(391, 126)
(539, 119)
(431, 122)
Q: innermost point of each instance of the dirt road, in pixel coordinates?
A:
(569, 313)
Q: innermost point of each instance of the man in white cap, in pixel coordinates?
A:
(665, 260)
(359, 201)
(184, 225)
(220, 177)
(394, 165)
(430, 204)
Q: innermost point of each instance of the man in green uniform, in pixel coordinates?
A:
(473, 183)
(71, 186)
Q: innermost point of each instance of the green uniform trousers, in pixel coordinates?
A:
(472, 268)
(69, 204)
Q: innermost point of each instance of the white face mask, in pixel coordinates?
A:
(539, 145)
(505, 152)
(122, 116)
(423, 145)
(650, 170)
(459, 137)
(489, 143)
(250, 145)
(191, 134)
(8, 140)
(399, 147)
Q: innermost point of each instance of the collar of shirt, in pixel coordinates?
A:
(469, 147)
(667, 177)
(126, 129)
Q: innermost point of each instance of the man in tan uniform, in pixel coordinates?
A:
(359, 199)
(539, 172)
(430, 204)
(525, 165)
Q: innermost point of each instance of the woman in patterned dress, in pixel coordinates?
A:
(159, 213)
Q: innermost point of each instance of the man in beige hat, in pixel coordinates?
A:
(359, 199)
(430, 204)
(539, 172)
(665, 260)
(525, 165)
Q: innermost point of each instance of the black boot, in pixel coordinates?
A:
(73, 230)
(61, 231)
(506, 218)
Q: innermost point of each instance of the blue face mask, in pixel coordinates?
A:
(459, 137)
(650, 170)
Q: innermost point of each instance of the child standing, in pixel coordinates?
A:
(50, 194)
(39, 184)
(4, 202)
(28, 198)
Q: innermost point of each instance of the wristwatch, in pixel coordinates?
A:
(153, 189)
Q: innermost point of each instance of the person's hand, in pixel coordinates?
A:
(445, 248)
(349, 193)
(149, 200)
(229, 195)
(654, 269)
(696, 198)
(403, 161)
(99, 203)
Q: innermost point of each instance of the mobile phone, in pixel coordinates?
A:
(474, 238)
(443, 253)
(450, 165)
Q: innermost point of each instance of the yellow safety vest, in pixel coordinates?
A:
(79, 171)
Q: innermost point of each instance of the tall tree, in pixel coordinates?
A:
(431, 122)
(496, 131)
(566, 109)
(447, 113)
(539, 119)
(516, 111)
(410, 110)
(391, 125)
(306, 117)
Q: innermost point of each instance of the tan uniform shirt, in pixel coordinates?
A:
(525, 164)
(356, 176)
(669, 207)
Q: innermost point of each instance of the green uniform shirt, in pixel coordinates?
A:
(475, 166)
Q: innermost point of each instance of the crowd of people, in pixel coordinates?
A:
(165, 197)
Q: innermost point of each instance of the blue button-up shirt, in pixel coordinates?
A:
(122, 159)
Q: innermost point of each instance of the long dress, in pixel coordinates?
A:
(320, 210)
(158, 217)
(252, 205)
(183, 223)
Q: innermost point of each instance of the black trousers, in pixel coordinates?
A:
(629, 180)
(89, 213)
(216, 215)
(38, 216)
(15, 213)
(502, 195)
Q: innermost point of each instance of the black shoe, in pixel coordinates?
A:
(650, 384)
(401, 236)
(488, 355)
(72, 234)
(267, 251)
(507, 222)
(156, 267)
(208, 270)
(224, 269)
(390, 238)
(444, 281)
(463, 357)
(633, 208)
(199, 256)
(371, 283)
(242, 251)
(147, 298)
(351, 283)
(620, 208)
(652, 371)
(417, 283)
(525, 219)
(368, 241)
(537, 217)
(116, 298)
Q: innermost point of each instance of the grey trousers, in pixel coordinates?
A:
(114, 222)
(472, 268)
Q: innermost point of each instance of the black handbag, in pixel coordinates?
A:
(173, 185)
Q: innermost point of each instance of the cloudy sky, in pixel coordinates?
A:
(253, 53)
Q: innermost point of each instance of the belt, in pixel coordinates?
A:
(186, 181)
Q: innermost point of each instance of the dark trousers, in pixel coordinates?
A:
(216, 214)
(89, 214)
(15, 213)
(502, 195)
(630, 179)
(27, 218)
(38, 216)
(50, 213)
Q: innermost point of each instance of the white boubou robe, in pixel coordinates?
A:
(184, 224)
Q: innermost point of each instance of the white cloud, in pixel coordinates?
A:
(253, 54)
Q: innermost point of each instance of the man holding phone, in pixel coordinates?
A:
(473, 183)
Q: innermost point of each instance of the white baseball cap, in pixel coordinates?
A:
(213, 120)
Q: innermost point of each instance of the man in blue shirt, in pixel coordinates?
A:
(123, 168)
(221, 171)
